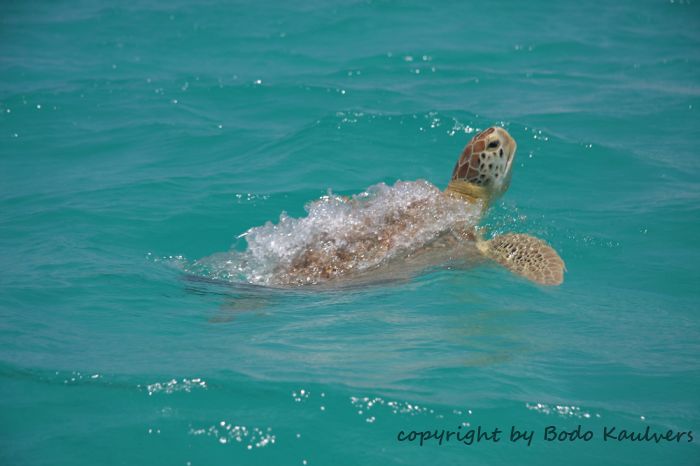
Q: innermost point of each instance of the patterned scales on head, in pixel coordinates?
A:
(482, 160)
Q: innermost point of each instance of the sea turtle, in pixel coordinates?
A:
(394, 231)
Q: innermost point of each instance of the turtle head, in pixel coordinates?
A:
(484, 167)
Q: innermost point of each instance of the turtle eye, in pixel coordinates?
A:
(493, 144)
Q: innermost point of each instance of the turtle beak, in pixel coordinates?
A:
(509, 147)
(512, 146)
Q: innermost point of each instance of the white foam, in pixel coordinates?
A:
(348, 235)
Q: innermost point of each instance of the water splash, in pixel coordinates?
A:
(342, 236)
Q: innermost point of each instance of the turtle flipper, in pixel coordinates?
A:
(526, 256)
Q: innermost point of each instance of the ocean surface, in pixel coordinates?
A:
(140, 140)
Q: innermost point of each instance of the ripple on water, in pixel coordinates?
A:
(173, 386)
(226, 432)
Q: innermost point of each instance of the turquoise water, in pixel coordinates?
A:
(136, 140)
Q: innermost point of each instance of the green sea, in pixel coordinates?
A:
(139, 140)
